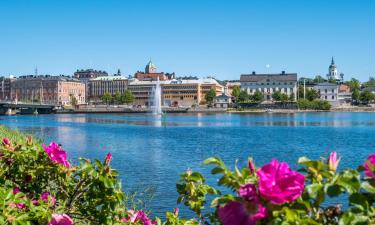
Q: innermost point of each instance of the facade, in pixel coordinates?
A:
(335, 94)
(5, 88)
(222, 101)
(267, 84)
(151, 74)
(55, 90)
(183, 93)
(108, 84)
(86, 75)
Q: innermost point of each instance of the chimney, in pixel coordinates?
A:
(253, 72)
(283, 72)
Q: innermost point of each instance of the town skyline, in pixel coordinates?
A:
(200, 38)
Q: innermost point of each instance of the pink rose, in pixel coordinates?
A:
(137, 216)
(6, 141)
(16, 190)
(251, 166)
(369, 166)
(47, 197)
(279, 184)
(18, 205)
(333, 161)
(60, 219)
(108, 159)
(56, 154)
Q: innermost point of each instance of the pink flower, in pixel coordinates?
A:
(47, 197)
(60, 219)
(108, 158)
(176, 211)
(6, 141)
(18, 205)
(248, 192)
(16, 190)
(333, 161)
(279, 184)
(56, 154)
(237, 213)
(369, 166)
(251, 166)
(140, 216)
(246, 212)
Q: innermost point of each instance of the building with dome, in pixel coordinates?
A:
(151, 74)
(333, 74)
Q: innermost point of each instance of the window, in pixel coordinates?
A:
(325, 90)
(325, 97)
(333, 97)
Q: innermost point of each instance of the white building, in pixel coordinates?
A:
(270, 83)
(335, 94)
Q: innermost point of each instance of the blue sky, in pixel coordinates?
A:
(190, 37)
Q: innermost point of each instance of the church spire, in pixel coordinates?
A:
(333, 61)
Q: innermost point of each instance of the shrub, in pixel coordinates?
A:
(38, 185)
(315, 104)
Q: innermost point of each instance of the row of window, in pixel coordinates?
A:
(273, 83)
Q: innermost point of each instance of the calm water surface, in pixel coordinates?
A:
(154, 151)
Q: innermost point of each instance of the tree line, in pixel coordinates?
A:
(119, 98)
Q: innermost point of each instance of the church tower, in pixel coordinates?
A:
(150, 68)
(332, 71)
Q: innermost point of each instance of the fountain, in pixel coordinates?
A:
(156, 110)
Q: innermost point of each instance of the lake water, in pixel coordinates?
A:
(149, 151)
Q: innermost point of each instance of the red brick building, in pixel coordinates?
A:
(151, 74)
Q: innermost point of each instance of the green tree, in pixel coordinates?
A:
(73, 100)
(284, 97)
(127, 97)
(117, 97)
(107, 98)
(353, 84)
(356, 95)
(243, 96)
(370, 82)
(318, 79)
(210, 96)
(257, 96)
(236, 91)
(367, 96)
(311, 94)
(291, 97)
(276, 96)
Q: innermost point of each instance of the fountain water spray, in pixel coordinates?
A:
(156, 110)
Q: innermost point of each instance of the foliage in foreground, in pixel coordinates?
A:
(276, 194)
(314, 104)
(40, 186)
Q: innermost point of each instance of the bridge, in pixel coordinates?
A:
(11, 108)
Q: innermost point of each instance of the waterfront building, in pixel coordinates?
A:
(46, 89)
(151, 74)
(267, 84)
(223, 101)
(333, 73)
(188, 92)
(229, 85)
(86, 75)
(5, 88)
(184, 93)
(335, 94)
(107, 84)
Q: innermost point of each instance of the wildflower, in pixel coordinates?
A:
(279, 184)
(251, 166)
(60, 219)
(56, 154)
(370, 166)
(47, 197)
(246, 212)
(333, 161)
(108, 159)
(176, 211)
(6, 142)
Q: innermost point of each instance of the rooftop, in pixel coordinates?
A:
(275, 77)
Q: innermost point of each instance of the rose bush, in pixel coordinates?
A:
(40, 185)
